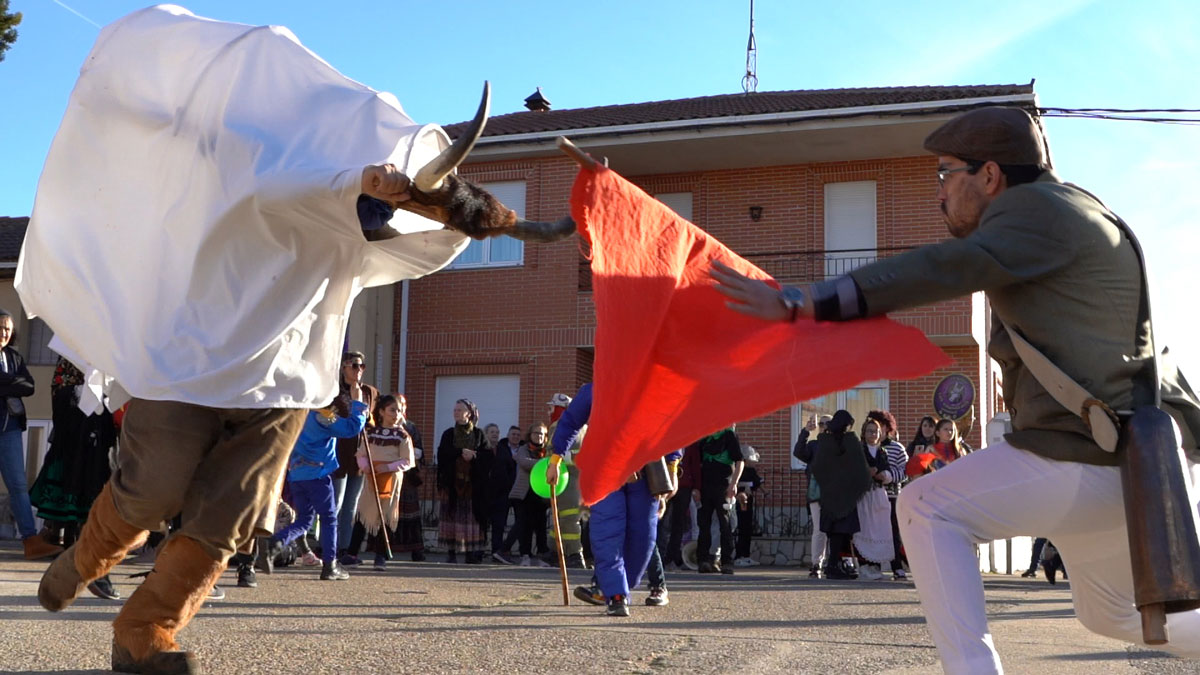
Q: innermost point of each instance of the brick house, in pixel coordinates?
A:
(802, 183)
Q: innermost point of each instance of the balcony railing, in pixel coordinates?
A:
(792, 267)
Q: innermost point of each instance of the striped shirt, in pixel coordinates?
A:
(897, 460)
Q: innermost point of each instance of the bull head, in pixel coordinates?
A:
(436, 193)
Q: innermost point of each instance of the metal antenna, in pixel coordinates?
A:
(750, 81)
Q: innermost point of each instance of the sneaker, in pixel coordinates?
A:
(575, 561)
(501, 558)
(849, 567)
(837, 572)
(539, 561)
(658, 596)
(103, 588)
(310, 559)
(332, 571)
(708, 568)
(380, 564)
(349, 560)
(814, 573)
(870, 573)
(525, 562)
(590, 594)
(899, 575)
(246, 578)
(216, 593)
(617, 606)
(743, 562)
(1029, 574)
(726, 568)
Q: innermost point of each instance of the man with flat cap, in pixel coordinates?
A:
(1060, 273)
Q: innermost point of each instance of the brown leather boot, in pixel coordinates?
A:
(144, 631)
(101, 545)
(36, 547)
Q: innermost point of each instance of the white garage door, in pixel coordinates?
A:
(496, 396)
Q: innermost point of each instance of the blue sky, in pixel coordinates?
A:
(434, 56)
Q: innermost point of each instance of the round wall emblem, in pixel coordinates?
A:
(954, 396)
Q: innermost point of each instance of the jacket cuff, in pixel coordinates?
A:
(838, 300)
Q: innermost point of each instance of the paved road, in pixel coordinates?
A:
(438, 618)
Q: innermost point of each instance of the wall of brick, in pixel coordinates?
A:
(533, 321)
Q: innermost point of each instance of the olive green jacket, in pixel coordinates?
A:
(1057, 269)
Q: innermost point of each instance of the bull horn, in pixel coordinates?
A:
(430, 177)
(531, 230)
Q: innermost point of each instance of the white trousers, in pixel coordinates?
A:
(1002, 492)
(819, 539)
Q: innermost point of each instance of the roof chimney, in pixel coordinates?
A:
(536, 102)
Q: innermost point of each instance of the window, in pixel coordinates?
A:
(679, 202)
(498, 398)
(501, 251)
(39, 352)
(850, 237)
(858, 402)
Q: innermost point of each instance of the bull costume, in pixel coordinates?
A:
(1063, 273)
(195, 245)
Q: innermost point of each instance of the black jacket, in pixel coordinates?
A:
(504, 474)
(15, 382)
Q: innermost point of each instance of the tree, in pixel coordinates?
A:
(8, 27)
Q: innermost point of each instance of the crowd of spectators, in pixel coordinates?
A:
(338, 504)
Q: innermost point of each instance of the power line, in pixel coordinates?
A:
(1153, 115)
(76, 12)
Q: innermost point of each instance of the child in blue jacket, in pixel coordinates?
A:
(312, 462)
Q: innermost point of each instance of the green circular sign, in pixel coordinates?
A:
(537, 478)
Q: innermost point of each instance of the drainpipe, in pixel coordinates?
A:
(402, 352)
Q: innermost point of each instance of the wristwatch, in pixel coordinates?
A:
(793, 300)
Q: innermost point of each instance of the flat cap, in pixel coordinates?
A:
(998, 134)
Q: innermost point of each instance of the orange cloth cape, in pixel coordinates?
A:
(673, 363)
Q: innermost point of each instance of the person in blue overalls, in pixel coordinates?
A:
(623, 525)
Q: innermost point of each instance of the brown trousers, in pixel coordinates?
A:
(222, 468)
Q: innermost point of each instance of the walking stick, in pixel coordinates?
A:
(562, 562)
(387, 547)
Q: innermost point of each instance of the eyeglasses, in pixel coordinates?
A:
(942, 173)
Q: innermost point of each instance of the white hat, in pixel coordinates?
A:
(559, 400)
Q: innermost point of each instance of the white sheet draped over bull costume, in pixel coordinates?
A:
(195, 246)
(195, 236)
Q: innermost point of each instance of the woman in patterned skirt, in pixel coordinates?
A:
(460, 446)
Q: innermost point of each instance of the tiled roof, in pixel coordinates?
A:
(12, 233)
(731, 105)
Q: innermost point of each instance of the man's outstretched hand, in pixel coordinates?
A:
(751, 296)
